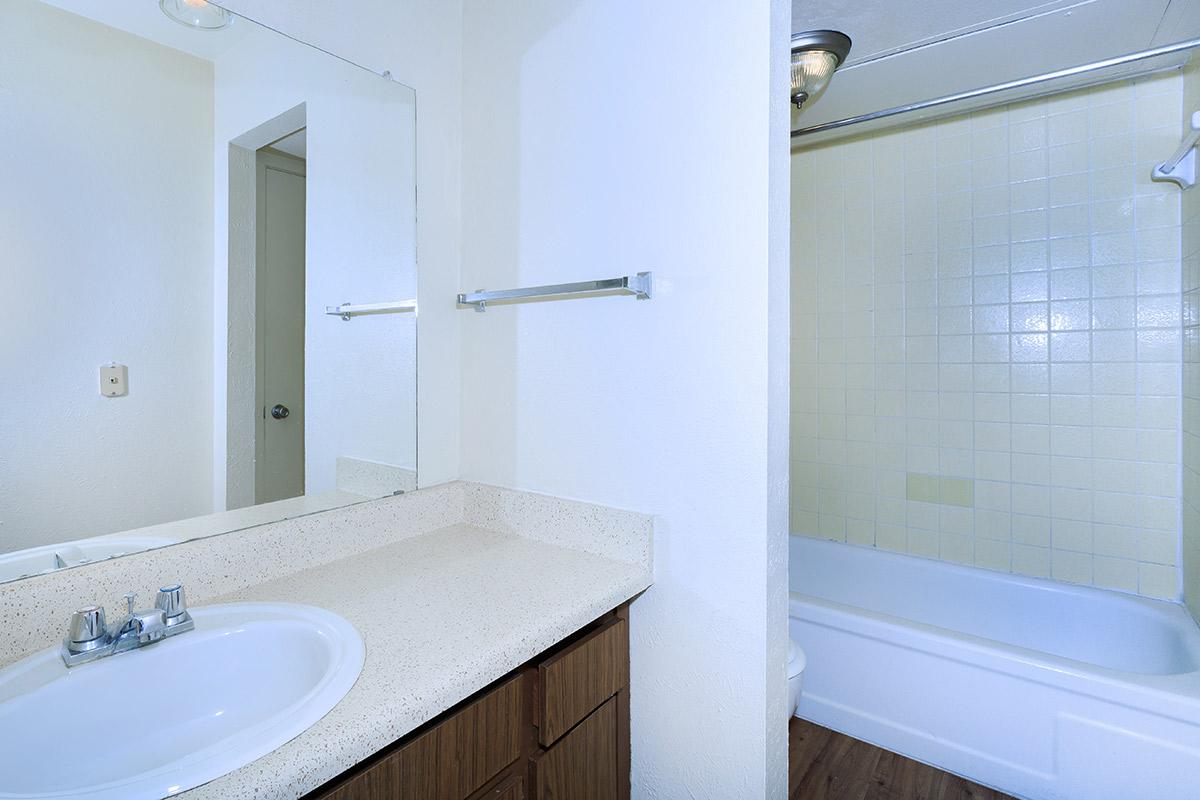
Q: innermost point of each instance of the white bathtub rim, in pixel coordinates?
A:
(1172, 614)
(1156, 606)
(1174, 696)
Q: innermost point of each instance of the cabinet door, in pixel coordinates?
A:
(453, 759)
(583, 765)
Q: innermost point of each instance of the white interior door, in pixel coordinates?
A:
(279, 447)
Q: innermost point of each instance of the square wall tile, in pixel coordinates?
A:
(988, 340)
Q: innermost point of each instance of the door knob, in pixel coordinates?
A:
(280, 411)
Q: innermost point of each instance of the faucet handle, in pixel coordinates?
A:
(87, 629)
(173, 605)
(171, 602)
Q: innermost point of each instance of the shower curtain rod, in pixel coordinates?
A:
(1020, 83)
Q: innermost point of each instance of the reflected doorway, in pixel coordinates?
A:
(279, 319)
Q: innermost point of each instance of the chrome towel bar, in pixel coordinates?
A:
(640, 285)
(348, 310)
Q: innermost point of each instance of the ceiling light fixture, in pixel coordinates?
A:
(815, 57)
(198, 14)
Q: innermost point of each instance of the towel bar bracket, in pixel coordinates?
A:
(1183, 174)
(1180, 168)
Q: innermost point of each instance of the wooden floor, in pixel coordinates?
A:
(824, 765)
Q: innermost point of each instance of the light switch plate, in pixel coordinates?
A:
(114, 380)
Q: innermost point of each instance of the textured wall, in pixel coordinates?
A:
(105, 205)
(580, 162)
(986, 339)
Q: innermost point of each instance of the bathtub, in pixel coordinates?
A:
(1040, 689)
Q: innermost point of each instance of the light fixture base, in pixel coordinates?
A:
(199, 15)
(834, 42)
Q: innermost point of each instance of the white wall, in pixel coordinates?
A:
(421, 44)
(986, 362)
(105, 207)
(602, 138)
(660, 406)
(359, 392)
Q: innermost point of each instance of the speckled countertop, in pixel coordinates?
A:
(442, 615)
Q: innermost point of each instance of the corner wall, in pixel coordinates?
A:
(1191, 362)
(604, 138)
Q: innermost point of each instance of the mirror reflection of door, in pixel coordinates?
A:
(279, 302)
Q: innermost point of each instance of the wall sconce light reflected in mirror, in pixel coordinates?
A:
(199, 14)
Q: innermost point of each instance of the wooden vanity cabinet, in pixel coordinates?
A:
(556, 728)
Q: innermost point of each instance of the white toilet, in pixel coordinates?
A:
(796, 661)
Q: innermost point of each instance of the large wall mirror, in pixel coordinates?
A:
(208, 265)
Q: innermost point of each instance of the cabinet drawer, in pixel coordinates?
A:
(583, 765)
(453, 759)
(509, 788)
(572, 683)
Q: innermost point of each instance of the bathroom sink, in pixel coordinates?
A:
(163, 719)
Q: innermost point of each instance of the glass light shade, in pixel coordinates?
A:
(199, 14)
(811, 71)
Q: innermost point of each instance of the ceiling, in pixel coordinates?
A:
(880, 27)
(907, 51)
(144, 18)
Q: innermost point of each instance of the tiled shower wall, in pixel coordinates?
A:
(986, 354)
(1191, 365)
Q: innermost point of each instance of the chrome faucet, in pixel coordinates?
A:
(89, 639)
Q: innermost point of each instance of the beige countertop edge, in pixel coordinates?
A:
(442, 616)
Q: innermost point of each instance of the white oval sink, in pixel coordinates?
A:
(163, 719)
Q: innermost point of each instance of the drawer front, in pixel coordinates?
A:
(577, 680)
(583, 765)
(452, 760)
(513, 791)
(510, 788)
